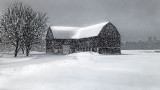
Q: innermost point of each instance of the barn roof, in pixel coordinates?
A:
(63, 32)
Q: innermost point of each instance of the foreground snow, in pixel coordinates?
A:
(133, 70)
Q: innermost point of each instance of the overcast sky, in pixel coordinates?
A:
(135, 19)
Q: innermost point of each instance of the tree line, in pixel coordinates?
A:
(22, 27)
(151, 43)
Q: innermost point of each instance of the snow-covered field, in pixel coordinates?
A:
(133, 70)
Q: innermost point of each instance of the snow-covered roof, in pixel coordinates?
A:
(62, 32)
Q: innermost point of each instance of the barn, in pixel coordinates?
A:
(102, 38)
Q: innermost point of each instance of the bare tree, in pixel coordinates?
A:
(35, 26)
(12, 22)
(22, 26)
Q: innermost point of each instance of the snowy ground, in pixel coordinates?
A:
(133, 70)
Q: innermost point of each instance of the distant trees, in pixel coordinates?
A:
(22, 26)
(151, 43)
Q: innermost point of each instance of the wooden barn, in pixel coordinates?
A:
(103, 38)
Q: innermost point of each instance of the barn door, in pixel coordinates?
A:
(66, 49)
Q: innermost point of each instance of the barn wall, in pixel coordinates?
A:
(109, 40)
(56, 45)
(49, 39)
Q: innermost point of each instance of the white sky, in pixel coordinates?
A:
(135, 19)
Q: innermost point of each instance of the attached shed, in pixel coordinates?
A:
(103, 38)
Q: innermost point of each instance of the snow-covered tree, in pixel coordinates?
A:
(22, 26)
(34, 28)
